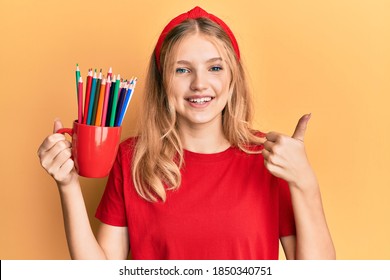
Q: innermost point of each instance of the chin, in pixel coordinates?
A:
(203, 120)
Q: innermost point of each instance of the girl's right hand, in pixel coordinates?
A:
(55, 157)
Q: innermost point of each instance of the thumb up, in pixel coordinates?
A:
(300, 129)
(285, 156)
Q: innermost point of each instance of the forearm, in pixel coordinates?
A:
(81, 240)
(312, 233)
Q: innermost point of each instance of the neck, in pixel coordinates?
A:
(205, 138)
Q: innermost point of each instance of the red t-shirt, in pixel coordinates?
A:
(228, 207)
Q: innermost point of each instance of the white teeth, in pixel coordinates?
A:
(200, 100)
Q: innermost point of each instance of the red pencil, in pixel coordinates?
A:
(80, 100)
(87, 96)
(109, 74)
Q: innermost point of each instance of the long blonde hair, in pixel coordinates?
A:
(158, 155)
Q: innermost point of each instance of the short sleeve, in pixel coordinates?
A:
(286, 213)
(111, 209)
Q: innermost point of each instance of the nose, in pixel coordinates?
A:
(198, 82)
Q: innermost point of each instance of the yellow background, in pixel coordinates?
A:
(330, 58)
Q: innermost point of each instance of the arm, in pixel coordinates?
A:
(313, 237)
(111, 242)
(55, 157)
(285, 157)
(289, 246)
(312, 240)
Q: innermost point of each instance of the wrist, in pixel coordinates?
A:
(307, 183)
(68, 185)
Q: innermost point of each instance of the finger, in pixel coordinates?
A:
(265, 154)
(49, 142)
(272, 136)
(271, 159)
(300, 129)
(57, 125)
(48, 156)
(268, 145)
(274, 169)
(64, 170)
(53, 167)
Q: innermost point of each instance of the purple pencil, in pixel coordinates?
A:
(106, 98)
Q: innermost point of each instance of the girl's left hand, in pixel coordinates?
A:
(285, 157)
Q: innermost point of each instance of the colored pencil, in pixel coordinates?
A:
(98, 118)
(80, 100)
(95, 104)
(109, 74)
(105, 104)
(121, 101)
(77, 79)
(92, 98)
(110, 101)
(87, 96)
(106, 99)
(129, 95)
(115, 101)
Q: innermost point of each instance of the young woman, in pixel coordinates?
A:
(197, 182)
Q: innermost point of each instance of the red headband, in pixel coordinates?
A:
(196, 12)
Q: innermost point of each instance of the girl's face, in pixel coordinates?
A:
(200, 82)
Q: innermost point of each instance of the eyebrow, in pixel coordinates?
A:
(214, 59)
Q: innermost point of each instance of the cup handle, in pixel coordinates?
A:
(65, 130)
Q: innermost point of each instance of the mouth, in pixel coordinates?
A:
(199, 100)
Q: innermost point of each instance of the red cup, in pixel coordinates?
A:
(94, 148)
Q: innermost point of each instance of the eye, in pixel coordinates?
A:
(216, 68)
(181, 70)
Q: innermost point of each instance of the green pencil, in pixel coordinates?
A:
(115, 100)
(96, 101)
(77, 79)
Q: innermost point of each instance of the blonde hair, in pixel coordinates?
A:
(158, 155)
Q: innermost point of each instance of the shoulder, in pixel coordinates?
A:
(127, 147)
(129, 143)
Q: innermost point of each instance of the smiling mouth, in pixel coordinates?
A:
(201, 100)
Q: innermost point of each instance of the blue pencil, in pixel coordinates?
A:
(129, 95)
(120, 104)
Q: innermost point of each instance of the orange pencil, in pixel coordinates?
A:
(99, 111)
